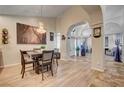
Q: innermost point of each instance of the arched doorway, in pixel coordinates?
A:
(92, 15)
(79, 35)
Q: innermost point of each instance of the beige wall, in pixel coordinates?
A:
(10, 52)
(72, 16)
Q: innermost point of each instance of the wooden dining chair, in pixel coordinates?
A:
(56, 57)
(25, 60)
(46, 61)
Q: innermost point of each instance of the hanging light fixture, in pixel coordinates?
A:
(41, 26)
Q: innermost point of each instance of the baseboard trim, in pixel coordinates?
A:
(98, 69)
(10, 65)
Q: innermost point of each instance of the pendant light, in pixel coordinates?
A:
(41, 26)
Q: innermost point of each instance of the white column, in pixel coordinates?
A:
(123, 49)
(98, 52)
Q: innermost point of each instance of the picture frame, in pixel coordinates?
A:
(51, 36)
(97, 32)
(28, 34)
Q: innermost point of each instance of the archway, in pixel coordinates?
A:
(79, 35)
(92, 15)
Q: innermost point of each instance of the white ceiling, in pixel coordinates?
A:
(82, 30)
(114, 19)
(112, 11)
(56, 10)
(91, 8)
(33, 10)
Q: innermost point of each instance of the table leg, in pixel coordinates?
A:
(57, 61)
(37, 67)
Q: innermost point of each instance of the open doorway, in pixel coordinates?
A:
(113, 42)
(79, 40)
(58, 41)
(113, 47)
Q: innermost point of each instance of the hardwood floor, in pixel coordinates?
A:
(70, 73)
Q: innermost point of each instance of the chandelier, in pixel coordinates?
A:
(41, 25)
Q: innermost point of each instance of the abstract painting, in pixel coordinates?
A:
(27, 34)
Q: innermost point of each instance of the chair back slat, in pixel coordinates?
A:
(22, 56)
(47, 56)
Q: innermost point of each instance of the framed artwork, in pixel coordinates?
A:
(51, 36)
(27, 34)
(97, 32)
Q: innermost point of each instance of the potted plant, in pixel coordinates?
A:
(43, 47)
(77, 50)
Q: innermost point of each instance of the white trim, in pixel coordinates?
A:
(98, 69)
(9, 65)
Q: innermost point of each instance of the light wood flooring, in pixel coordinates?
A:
(74, 72)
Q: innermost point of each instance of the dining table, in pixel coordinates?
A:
(35, 55)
